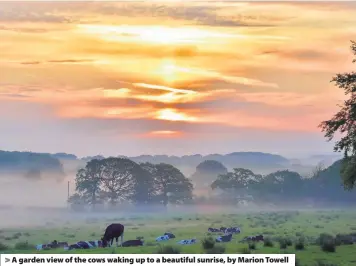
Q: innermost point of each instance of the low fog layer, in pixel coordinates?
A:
(17, 191)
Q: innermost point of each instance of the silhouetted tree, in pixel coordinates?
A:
(124, 180)
(344, 122)
(285, 185)
(169, 184)
(88, 182)
(239, 184)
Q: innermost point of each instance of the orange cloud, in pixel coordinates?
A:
(162, 134)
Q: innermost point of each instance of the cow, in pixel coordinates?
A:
(253, 238)
(54, 244)
(170, 235)
(162, 238)
(85, 245)
(232, 230)
(222, 229)
(111, 232)
(132, 243)
(224, 238)
(187, 241)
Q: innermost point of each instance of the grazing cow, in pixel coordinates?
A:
(85, 245)
(162, 238)
(133, 243)
(225, 238)
(232, 230)
(111, 232)
(187, 241)
(170, 235)
(213, 230)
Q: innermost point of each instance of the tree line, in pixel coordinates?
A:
(114, 181)
(282, 187)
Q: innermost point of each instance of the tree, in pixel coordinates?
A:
(206, 172)
(88, 182)
(124, 181)
(169, 183)
(285, 185)
(344, 122)
(239, 183)
(77, 202)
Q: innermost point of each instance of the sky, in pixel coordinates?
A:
(173, 77)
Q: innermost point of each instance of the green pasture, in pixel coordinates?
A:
(294, 227)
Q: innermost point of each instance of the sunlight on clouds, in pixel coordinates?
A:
(162, 134)
(154, 34)
(174, 115)
(236, 64)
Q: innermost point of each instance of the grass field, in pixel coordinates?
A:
(302, 229)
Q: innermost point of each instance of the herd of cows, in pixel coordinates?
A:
(116, 231)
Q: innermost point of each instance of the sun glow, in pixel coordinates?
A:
(152, 33)
(173, 115)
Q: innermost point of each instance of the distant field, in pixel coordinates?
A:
(295, 226)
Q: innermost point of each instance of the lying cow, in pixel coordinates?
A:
(85, 245)
(133, 243)
(162, 238)
(170, 235)
(224, 238)
(232, 230)
(187, 241)
(253, 238)
(54, 244)
(213, 230)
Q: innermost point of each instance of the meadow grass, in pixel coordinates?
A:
(293, 232)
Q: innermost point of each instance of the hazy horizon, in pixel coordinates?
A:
(175, 78)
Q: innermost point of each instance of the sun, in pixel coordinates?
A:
(167, 71)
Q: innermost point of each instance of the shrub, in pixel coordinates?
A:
(23, 246)
(324, 238)
(168, 250)
(208, 243)
(289, 242)
(268, 242)
(3, 247)
(299, 245)
(283, 244)
(218, 249)
(328, 246)
(252, 245)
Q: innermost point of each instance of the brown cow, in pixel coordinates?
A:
(111, 232)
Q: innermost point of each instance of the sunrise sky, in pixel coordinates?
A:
(171, 77)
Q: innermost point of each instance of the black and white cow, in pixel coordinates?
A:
(213, 230)
(85, 245)
(162, 238)
(54, 244)
(170, 235)
(253, 238)
(224, 238)
(187, 241)
(232, 230)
